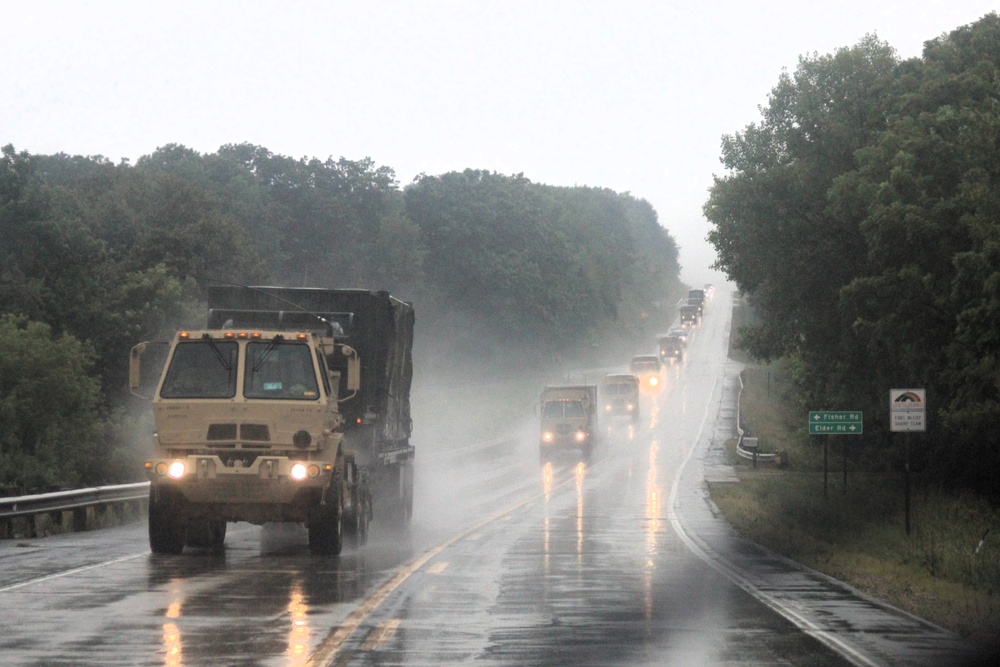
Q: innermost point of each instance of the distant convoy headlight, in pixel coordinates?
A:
(548, 436)
(630, 407)
(607, 407)
(176, 469)
(299, 472)
(581, 436)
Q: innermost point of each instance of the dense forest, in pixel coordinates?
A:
(861, 216)
(96, 256)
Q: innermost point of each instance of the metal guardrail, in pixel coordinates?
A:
(65, 501)
(76, 501)
(740, 450)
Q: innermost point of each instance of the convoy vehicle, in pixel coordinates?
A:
(620, 395)
(680, 334)
(292, 405)
(689, 316)
(671, 349)
(696, 297)
(569, 419)
(648, 369)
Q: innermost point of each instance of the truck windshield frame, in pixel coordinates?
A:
(201, 369)
(280, 370)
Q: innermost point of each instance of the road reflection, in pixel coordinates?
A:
(652, 530)
(173, 655)
(298, 634)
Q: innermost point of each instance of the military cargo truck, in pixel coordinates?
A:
(569, 419)
(292, 405)
(620, 395)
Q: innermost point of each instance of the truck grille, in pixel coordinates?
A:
(257, 432)
(250, 432)
(221, 432)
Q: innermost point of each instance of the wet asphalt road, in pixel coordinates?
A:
(618, 561)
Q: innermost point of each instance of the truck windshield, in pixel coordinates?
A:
(280, 370)
(559, 409)
(201, 369)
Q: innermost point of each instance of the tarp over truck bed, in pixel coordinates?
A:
(377, 325)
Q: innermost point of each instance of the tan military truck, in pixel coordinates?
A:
(292, 406)
(620, 395)
(569, 420)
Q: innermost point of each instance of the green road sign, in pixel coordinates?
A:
(844, 422)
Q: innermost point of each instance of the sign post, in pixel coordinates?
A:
(835, 422)
(907, 414)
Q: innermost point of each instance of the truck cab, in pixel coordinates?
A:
(568, 420)
(649, 370)
(247, 429)
(620, 395)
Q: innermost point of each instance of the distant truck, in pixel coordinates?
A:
(671, 348)
(569, 419)
(689, 316)
(649, 370)
(620, 395)
(292, 405)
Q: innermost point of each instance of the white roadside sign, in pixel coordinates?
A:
(908, 410)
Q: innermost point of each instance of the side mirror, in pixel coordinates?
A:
(353, 369)
(135, 369)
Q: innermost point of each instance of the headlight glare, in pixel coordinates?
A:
(176, 469)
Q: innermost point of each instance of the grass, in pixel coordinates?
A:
(856, 533)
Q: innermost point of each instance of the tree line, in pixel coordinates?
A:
(97, 256)
(861, 217)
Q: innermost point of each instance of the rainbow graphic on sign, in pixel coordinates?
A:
(908, 397)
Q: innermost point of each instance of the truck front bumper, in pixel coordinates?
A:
(204, 478)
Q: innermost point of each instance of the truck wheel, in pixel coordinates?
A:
(326, 537)
(166, 523)
(206, 533)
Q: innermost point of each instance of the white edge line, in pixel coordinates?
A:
(715, 560)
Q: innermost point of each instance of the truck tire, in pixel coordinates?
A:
(326, 536)
(206, 533)
(166, 522)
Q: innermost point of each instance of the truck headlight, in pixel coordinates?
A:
(176, 469)
(547, 436)
(581, 436)
(298, 472)
(653, 381)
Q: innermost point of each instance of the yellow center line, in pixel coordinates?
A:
(380, 635)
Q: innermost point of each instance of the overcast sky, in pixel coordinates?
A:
(632, 96)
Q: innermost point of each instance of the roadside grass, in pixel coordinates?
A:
(856, 533)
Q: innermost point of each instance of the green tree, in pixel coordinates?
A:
(51, 422)
(774, 228)
(930, 183)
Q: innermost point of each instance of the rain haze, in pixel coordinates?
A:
(631, 96)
